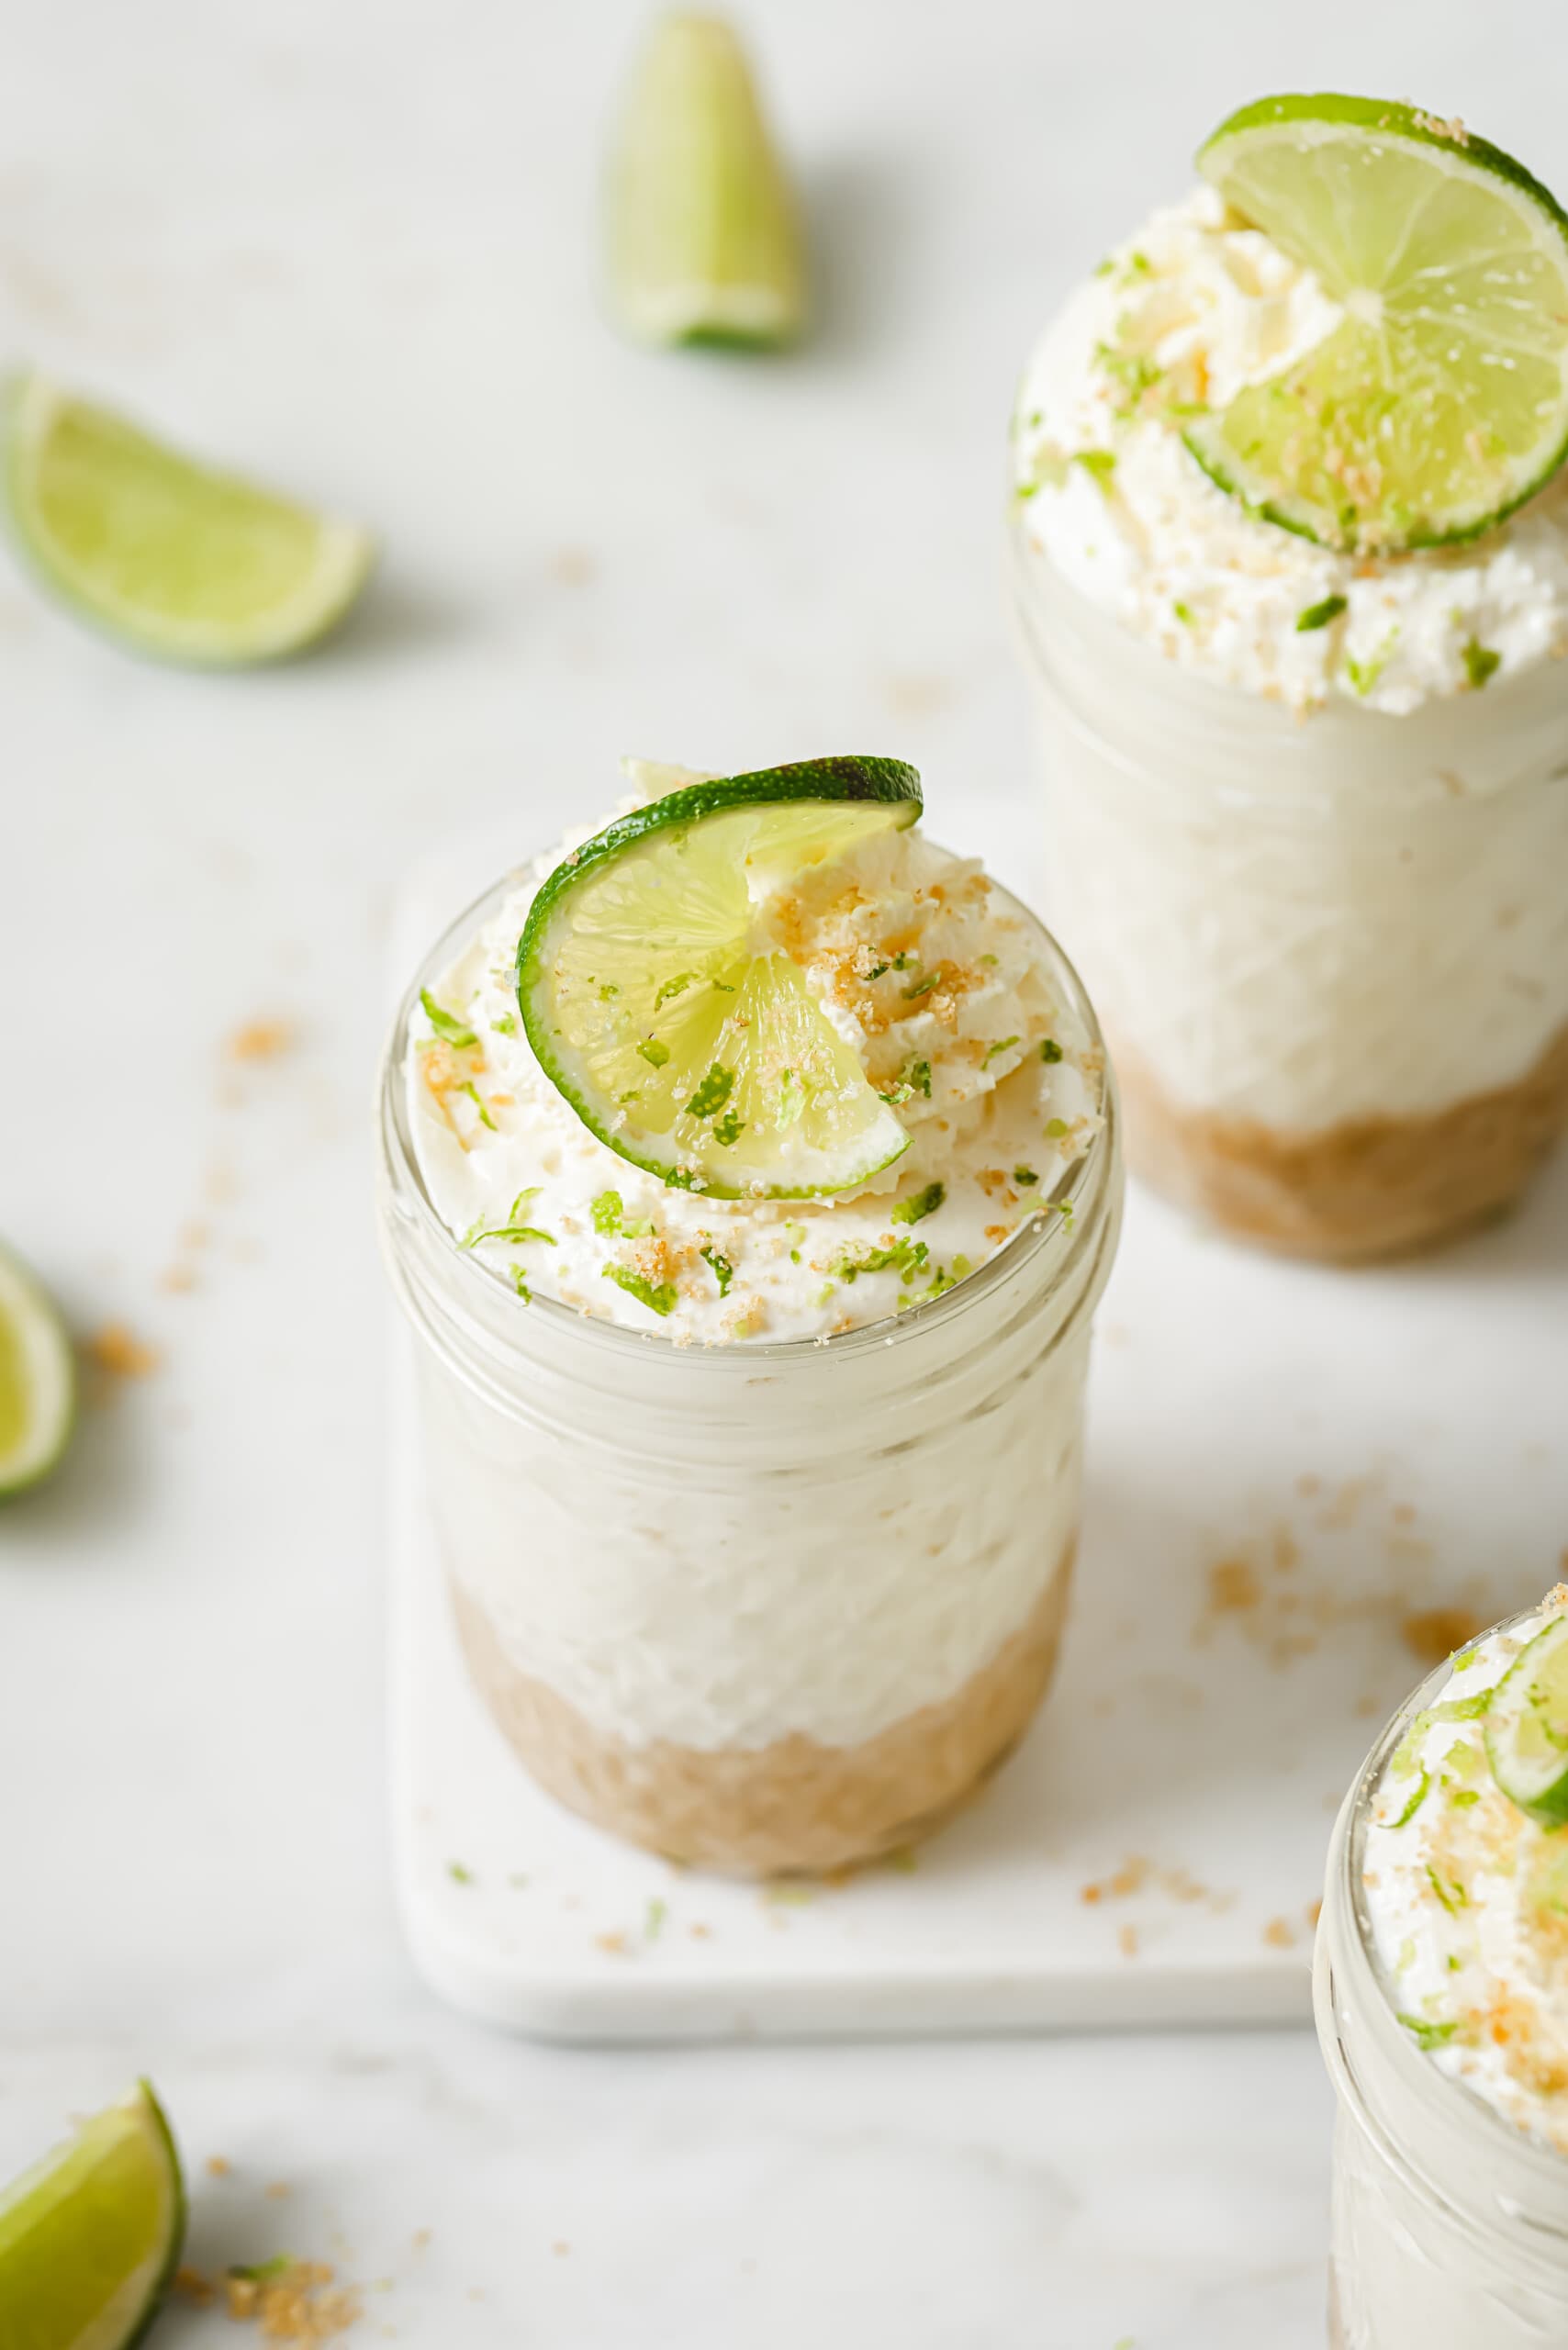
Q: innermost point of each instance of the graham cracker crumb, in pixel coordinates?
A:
(301, 2303)
(1433, 1633)
(260, 1040)
(1280, 1934)
(116, 1350)
(218, 2165)
(1127, 1941)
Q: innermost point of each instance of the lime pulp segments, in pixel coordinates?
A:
(90, 2237)
(177, 561)
(38, 1379)
(1440, 401)
(659, 1004)
(1527, 1728)
(703, 231)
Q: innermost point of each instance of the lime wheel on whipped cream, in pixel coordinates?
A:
(659, 1003)
(1438, 403)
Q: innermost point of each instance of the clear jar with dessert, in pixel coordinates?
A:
(1441, 1995)
(773, 1575)
(1308, 800)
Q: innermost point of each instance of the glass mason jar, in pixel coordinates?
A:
(759, 1607)
(1330, 952)
(1449, 2226)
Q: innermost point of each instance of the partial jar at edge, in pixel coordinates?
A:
(1330, 952)
(1449, 2226)
(758, 1607)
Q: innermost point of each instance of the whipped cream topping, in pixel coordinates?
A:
(1190, 310)
(1468, 1901)
(991, 1073)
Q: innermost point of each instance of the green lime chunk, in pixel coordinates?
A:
(173, 560)
(704, 234)
(661, 1004)
(90, 2237)
(38, 1379)
(1527, 1728)
(1440, 401)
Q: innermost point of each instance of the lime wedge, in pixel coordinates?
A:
(1439, 402)
(191, 566)
(660, 1002)
(90, 2236)
(38, 1379)
(1527, 1728)
(704, 239)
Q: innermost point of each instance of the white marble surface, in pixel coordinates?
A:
(351, 247)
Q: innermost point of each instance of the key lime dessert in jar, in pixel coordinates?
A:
(1291, 556)
(1442, 2006)
(750, 1178)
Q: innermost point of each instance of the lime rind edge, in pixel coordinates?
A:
(38, 1460)
(1504, 1713)
(163, 2137)
(1338, 110)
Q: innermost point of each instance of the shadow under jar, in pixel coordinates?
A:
(1330, 952)
(1450, 2228)
(759, 1608)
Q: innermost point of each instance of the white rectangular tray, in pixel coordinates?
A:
(1291, 1472)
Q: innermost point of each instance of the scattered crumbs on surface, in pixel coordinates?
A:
(572, 567)
(192, 2286)
(560, 2247)
(1314, 1911)
(117, 1351)
(615, 1944)
(458, 1874)
(701, 1933)
(291, 2301)
(1280, 1934)
(218, 2166)
(421, 2237)
(1127, 1941)
(260, 1040)
(279, 2191)
(1137, 1874)
(1433, 1634)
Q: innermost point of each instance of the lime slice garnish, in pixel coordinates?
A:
(90, 2236)
(38, 1379)
(1439, 402)
(175, 560)
(704, 236)
(660, 1002)
(1527, 1728)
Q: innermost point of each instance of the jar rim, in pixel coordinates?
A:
(1449, 2092)
(1048, 1232)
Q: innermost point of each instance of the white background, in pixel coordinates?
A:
(351, 247)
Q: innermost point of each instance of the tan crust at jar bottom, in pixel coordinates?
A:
(1346, 1194)
(795, 1805)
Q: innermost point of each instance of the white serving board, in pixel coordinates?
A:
(1285, 1467)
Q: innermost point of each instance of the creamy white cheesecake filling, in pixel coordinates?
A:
(1190, 309)
(1467, 1901)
